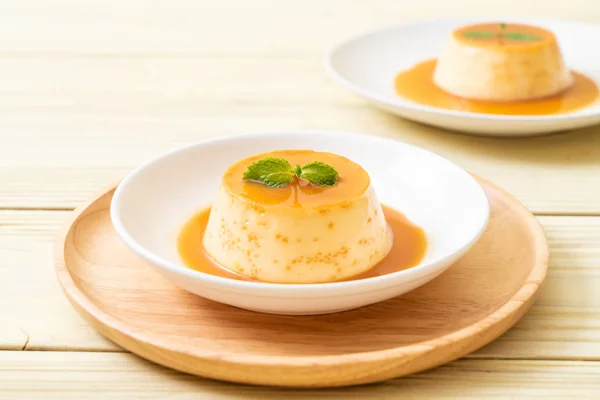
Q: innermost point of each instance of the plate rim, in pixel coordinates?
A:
(147, 344)
(404, 104)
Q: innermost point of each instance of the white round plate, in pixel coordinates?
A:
(151, 205)
(369, 63)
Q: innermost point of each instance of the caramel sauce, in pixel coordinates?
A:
(408, 247)
(416, 84)
(352, 183)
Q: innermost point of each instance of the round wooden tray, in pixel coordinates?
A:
(468, 306)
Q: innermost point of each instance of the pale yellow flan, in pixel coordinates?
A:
(300, 233)
(503, 63)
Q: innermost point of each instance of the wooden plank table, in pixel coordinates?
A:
(88, 90)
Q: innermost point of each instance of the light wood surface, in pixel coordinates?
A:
(98, 137)
(471, 304)
(91, 89)
(118, 376)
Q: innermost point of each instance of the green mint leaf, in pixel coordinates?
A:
(319, 173)
(277, 172)
(272, 172)
(503, 26)
(298, 170)
(278, 179)
(520, 36)
(478, 35)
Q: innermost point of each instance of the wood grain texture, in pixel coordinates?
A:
(470, 305)
(226, 27)
(562, 324)
(103, 117)
(35, 313)
(56, 375)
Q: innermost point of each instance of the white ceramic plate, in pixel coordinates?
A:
(369, 63)
(151, 205)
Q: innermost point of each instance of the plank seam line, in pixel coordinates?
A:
(57, 54)
(26, 339)
(36, 208)
(466, 357)
(65, 208)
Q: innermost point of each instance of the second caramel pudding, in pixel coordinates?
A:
(300, 233)
(502, 62)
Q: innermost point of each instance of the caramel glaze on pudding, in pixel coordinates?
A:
(298, 233)
(511, 69)
(408, 248)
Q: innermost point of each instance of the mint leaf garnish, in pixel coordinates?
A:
(507, 35)
(520, 36)
(318, 172)
(297, 170)
(277, 172)
(478, 35)
(272, 172)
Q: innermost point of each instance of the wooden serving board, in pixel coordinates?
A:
(468, 306)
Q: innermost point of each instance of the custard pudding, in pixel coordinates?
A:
(502, 63)
(297, 216)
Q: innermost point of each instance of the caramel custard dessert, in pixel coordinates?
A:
(299, 216)
(498, 68)
(498, 62)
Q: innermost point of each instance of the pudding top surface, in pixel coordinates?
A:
(353, 181)
(499, 35)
